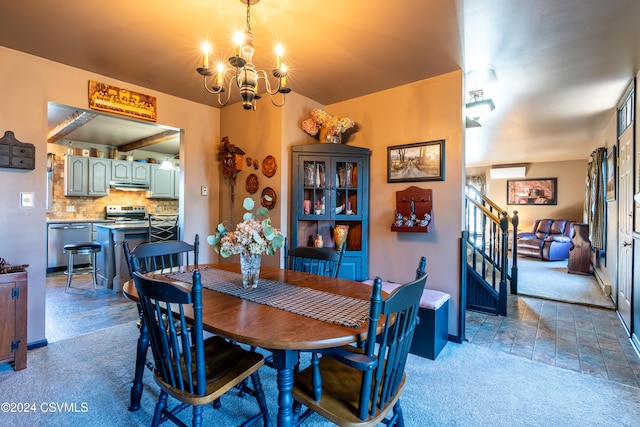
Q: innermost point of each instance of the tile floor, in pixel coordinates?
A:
(570, 336)
(83, 310)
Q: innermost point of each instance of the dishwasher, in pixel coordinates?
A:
(59, 235)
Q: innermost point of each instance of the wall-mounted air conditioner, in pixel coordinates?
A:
(502, 172)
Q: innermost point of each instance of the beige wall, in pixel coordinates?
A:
(27, 84)
(423, 111)
(571, 177)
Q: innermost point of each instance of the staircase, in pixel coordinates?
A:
(486, 255)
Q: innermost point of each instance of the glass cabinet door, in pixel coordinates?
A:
(348, 195)
(316, 193)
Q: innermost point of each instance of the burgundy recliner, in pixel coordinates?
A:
(550, 240)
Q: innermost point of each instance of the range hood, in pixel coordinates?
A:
(128, 186)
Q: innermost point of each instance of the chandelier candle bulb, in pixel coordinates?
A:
(279, 51)
(220, 73)
(238, 39)
(205, 56)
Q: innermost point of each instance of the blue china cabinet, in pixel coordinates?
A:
(330, 187)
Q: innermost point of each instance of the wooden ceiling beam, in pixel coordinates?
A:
(68, 125)
(148, 141)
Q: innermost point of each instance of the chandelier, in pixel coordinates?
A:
(241, 73)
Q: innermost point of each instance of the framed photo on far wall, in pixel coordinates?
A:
(422, 161)
(542, 191)
(611, 174)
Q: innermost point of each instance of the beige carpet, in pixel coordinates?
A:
(550, 280)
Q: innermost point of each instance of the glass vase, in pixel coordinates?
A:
(250, 269)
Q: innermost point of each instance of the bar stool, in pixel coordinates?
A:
(84, 248)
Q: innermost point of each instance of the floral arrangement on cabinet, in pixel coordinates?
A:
(250, 237)
(325, 125)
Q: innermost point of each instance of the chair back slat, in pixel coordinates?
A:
(164, 305)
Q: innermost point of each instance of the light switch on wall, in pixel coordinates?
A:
(26, 200)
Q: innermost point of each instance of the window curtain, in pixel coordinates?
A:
(595, 198)
(478, 182)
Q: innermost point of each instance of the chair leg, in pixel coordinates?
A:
(162, 403)
(93, 269)
(197, 416)
(69, 272)
(260, 397)
(141, 357)
(397, 412)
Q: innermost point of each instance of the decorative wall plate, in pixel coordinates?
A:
(252, 183)
(269, 204)
(269, 166)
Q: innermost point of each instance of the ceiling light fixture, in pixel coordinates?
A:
(478, 107)
(242, 73)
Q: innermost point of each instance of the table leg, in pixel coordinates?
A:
(141, 358)
(285, 361)
(118, 281)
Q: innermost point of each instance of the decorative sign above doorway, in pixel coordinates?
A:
(104, 97)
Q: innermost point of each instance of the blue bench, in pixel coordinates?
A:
(432, 333)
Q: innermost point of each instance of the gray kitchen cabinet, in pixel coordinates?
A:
(76, 176)
(124, 171)
(140, 173)
(99, 177)
(163, 183)
(86, 176)
(121, 171)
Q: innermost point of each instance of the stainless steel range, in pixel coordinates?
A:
(126, 213)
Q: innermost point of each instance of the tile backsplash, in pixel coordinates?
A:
(94, 207)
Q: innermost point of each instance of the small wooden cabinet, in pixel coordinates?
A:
(415, 201)
(580, 254)
(13, 319)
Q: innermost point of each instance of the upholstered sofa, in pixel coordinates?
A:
(550, 240)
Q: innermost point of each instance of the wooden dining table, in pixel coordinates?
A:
(281, 332)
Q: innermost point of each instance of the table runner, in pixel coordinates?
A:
(319, 305)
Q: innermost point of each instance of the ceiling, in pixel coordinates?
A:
(561, 66)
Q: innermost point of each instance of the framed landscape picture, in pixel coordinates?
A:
(422, 161)
(540, 191)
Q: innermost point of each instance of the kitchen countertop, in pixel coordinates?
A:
(80, 221)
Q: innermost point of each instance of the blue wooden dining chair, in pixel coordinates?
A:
(147, 257)
(321, 261)
(192, 370)
(161, 255)
(362, 386)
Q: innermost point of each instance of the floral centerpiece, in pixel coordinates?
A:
(251, 238)
(329, 127)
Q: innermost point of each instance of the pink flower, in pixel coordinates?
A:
(310, 126)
